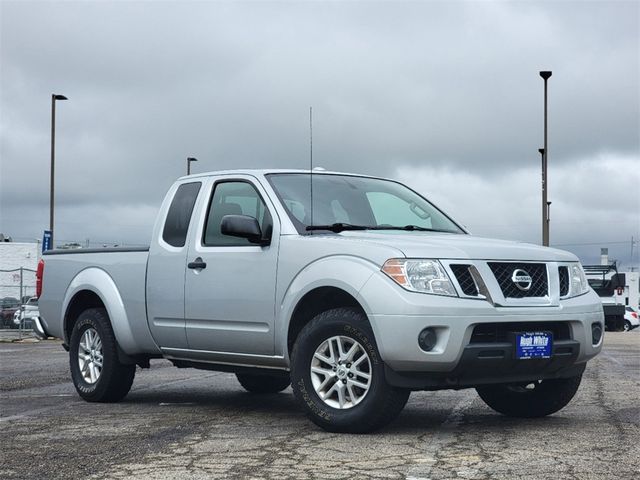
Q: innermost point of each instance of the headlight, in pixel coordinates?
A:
(577, 280)
(424, 276)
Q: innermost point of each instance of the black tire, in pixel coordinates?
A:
(542, 398)
(380, 405)
(266, 383)
(627, 326)
(115, 379)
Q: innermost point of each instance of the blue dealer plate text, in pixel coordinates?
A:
(533, 345)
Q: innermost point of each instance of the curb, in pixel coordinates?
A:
(25, 340)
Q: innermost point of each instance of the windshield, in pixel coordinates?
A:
(356, 203)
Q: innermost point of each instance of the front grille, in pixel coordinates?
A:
(504, 273)
(501, 332)
(563, 272)
(465, 280)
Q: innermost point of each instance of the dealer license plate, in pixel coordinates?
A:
(533, 345)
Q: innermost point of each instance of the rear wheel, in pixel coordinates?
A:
(627, 325)
(97, 373)
(338, 376)
(531, 400)
(266, 383)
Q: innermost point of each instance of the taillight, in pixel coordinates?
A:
(634, 314)
(39, 274)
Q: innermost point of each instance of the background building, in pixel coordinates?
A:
(13, 257)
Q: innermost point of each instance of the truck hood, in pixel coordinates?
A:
(457, 246)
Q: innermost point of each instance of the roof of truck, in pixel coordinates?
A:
(266, 171)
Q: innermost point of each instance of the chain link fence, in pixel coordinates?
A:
(17, 286)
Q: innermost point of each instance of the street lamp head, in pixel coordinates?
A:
(541, 151)
(192, 159)
(545, 74)
(59, 97)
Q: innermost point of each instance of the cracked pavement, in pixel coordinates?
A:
(190, 424)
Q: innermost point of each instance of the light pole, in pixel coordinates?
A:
(544, 194)
(54, 97)
(189, 160)
(545, 154)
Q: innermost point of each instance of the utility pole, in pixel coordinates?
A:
(545, 153)
(54, 97)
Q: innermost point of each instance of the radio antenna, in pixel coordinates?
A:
(311, 164)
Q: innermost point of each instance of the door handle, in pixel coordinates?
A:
(197, 264)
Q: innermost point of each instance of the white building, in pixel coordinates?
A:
(631, 293)
(13, 257)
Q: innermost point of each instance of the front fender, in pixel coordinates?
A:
(100, 282)
(346, 272)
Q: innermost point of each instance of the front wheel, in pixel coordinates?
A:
(338, 376)
(97, 373)
(530, 400)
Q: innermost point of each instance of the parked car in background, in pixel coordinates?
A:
(605, 281)
(631, 319)
(8, 306)
(26, 313)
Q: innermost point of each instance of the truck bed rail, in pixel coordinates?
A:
(61, 251)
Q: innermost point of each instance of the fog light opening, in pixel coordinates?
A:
(596, 333)
(427, 339)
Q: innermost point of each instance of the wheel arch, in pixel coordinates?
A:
(315, 302)
(94, 288)
(331, 282)
(81, 301)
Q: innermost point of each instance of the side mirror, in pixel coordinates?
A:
(243, 226)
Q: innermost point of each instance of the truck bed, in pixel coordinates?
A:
(121, 272)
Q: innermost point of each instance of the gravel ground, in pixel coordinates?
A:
(189, 424)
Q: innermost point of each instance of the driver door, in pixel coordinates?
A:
(230, 283)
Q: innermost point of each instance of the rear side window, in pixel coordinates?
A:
(176, 224)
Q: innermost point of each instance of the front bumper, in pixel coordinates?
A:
(482, 364)
(456, 360)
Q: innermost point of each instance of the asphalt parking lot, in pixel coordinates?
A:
(191, 424)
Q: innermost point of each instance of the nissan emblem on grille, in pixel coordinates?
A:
(521, 279)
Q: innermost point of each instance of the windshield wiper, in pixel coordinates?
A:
(341, 227)
(410, 228)
(338, 227)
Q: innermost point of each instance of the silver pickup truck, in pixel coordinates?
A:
(372, 293)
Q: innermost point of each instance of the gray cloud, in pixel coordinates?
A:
(416, 86)
(584, 215)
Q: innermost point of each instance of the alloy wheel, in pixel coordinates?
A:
(90, 356)
(341, 372)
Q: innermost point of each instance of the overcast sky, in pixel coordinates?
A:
(444, 96)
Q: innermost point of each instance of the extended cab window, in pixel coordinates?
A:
(234, 198)
(176, 224)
